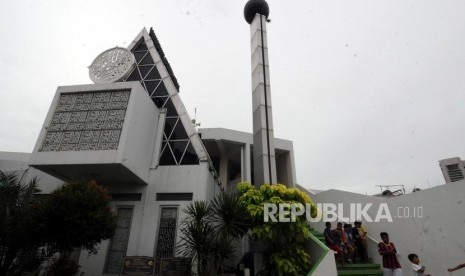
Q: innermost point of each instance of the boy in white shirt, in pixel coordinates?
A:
(416, 266)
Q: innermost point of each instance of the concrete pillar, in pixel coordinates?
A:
(263, 137)
(223, 173)
(243, 163)
(247, 164)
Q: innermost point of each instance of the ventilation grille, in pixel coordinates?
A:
(454, 172)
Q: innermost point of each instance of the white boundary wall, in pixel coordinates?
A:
(437, 237)
(325, 261)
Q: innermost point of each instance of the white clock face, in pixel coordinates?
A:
(112, 65)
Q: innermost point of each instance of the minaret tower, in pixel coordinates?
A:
(256, 13)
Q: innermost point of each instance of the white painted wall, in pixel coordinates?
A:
(323, 259)
(13, 161)
(285, 167)
(195, 179)
(437, 237)
(18, 162)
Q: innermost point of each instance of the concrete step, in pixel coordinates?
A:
(359, 266)
(360, 272)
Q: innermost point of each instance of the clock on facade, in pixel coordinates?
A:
(112, 65)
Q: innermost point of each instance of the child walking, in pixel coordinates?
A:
(416, 266)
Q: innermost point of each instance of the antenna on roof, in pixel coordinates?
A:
(390, 193)
(194, 121)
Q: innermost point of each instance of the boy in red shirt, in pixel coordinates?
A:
(388, 250)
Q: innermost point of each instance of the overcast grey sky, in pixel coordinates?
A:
(370, 92)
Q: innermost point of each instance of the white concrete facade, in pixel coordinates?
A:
(195, 179)
(231, 153)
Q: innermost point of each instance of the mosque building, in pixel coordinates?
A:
(130, 131)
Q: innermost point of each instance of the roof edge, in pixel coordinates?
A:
(163, 58)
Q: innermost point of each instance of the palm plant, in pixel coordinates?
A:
(229, 216)
(210, 230)
(16, 221)
(231, 223)
(197, 235)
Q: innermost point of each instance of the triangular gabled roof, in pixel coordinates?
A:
(181, 144)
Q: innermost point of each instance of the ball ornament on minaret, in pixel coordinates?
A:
(253, 7)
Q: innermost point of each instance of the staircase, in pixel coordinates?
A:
(357, 269)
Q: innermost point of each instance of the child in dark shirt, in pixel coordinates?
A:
(333, 242)
(358, 242)
(388, 250)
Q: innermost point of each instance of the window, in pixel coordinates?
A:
(166, 239)
(119, 242)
